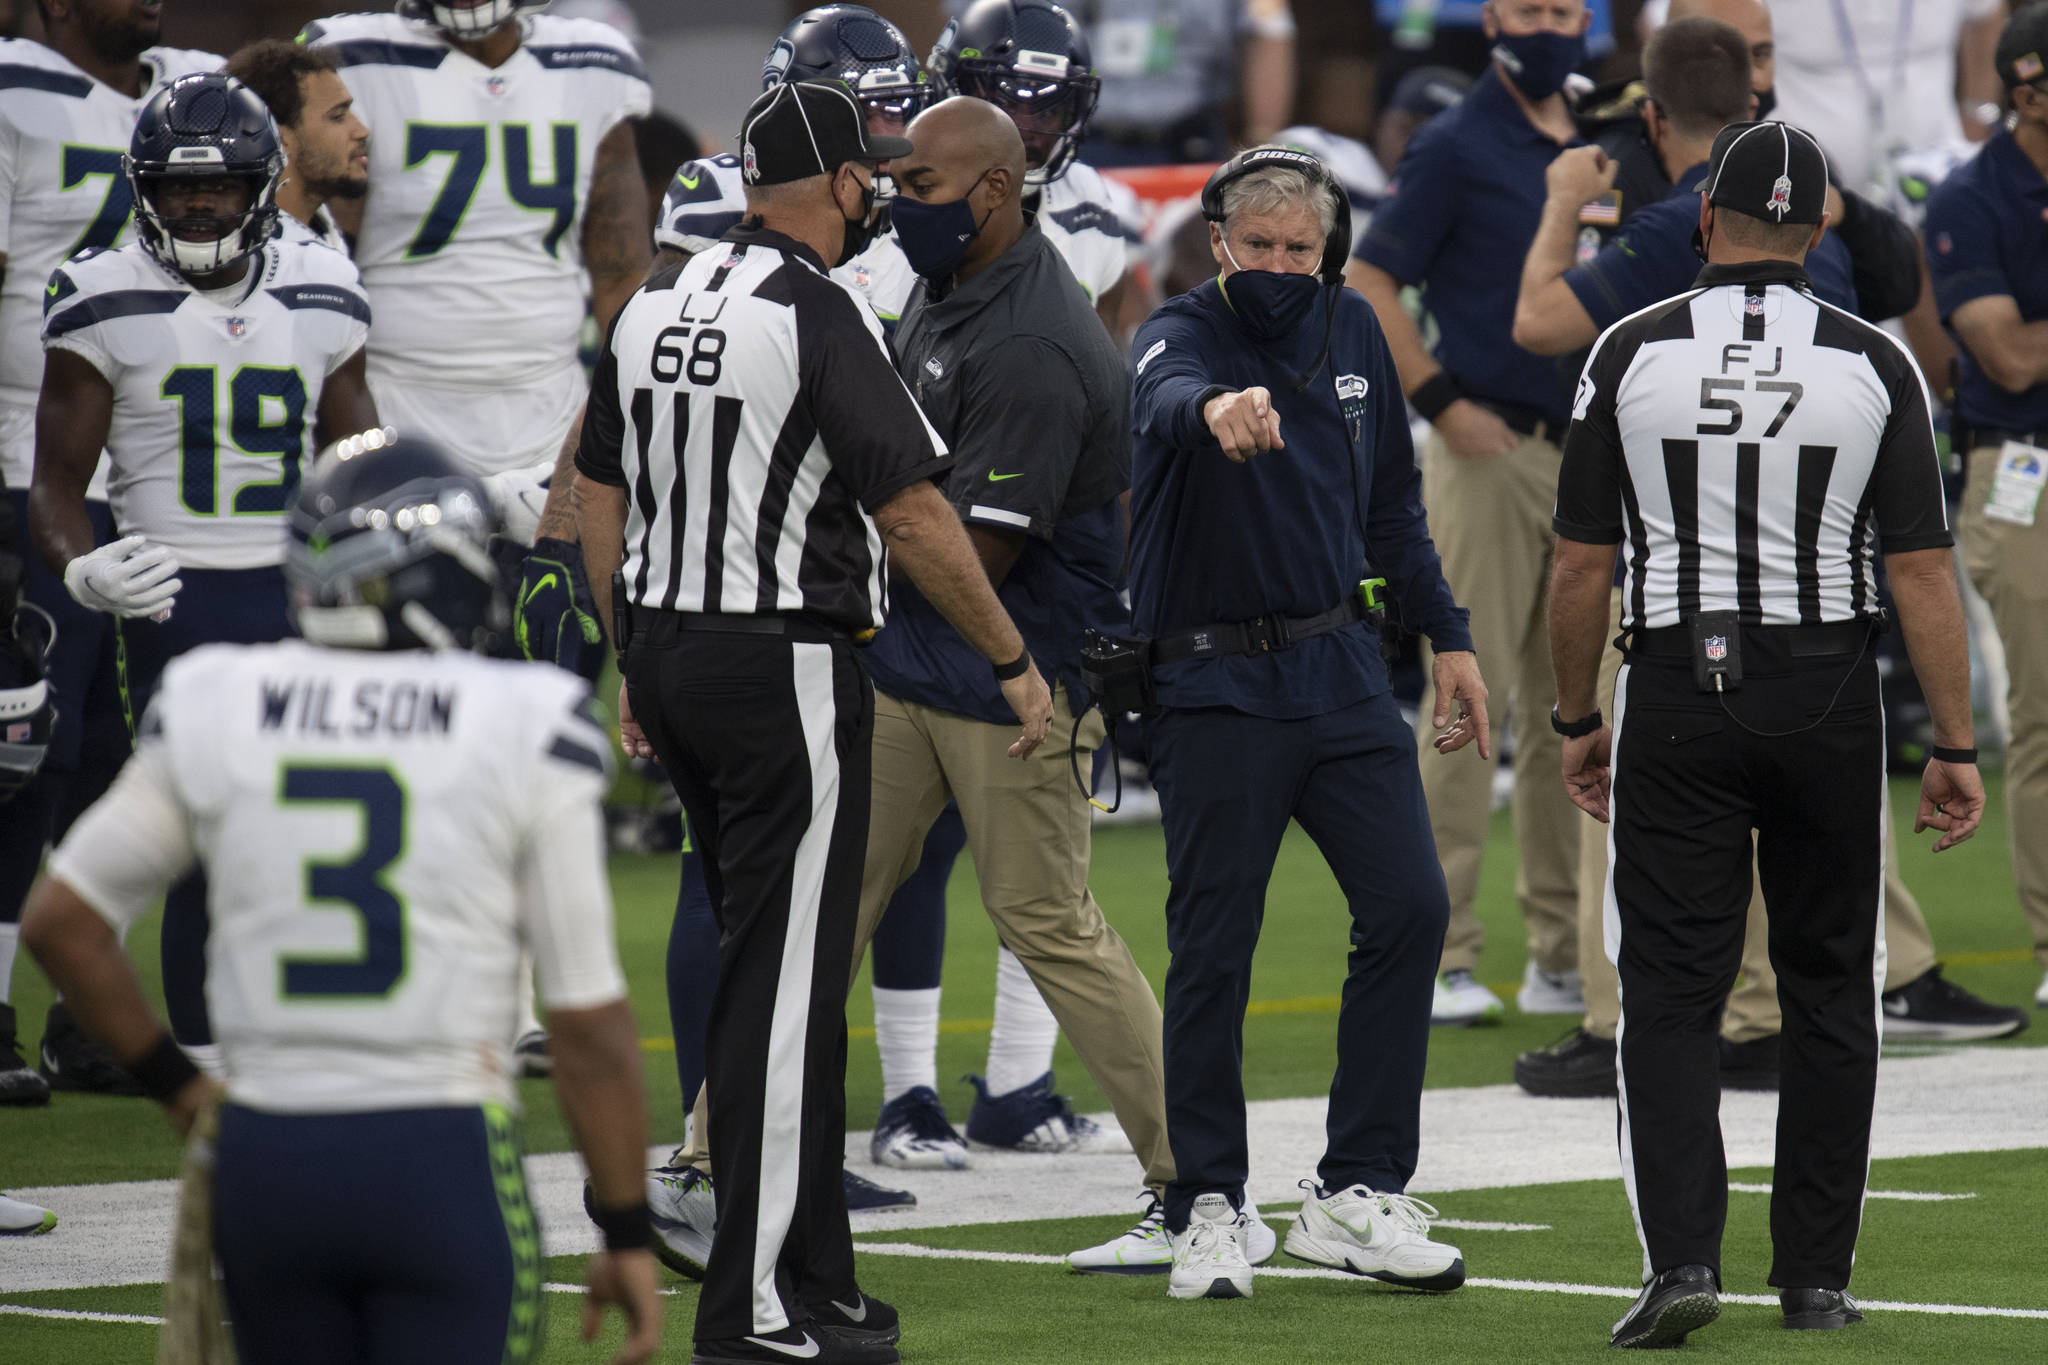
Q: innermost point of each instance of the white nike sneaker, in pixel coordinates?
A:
(1144, 1250)
(1260, 1241)
(19, 1218)
(1462, 1000)
(1549, 992)
(1208, 1255)
(1385, 1236)
(685, 1213)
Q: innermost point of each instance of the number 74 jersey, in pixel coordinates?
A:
(214, 393)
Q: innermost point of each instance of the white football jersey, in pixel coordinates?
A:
(214, 393)
(381, 832)
(472, 235)
(62, 137)
(708, 197)
(1093, 225)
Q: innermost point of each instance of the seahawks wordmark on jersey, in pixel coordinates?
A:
(382, 832)
(215, 391)
(62, 137)
(472, 236)
(1078, 213)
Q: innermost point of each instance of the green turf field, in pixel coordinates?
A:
(1534, 1291)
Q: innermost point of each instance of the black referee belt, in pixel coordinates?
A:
(1260, 635)
(655, 626)
(1798, 642)
(1524, 421)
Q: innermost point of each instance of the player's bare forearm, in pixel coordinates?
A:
(1923, 584)
(599, 1082)
(2012, 353)
(1268, 86)
(558, 514)
(601, 526)
(924, 534)
(1580, 587)
(346, 406)
(1404, 342)
(72, 417)
(1549, 320)
(615, 241)
(83, 958)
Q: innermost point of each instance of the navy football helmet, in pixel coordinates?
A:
(28, 709)
(388, 548)
(1030, 59)
(852, 43)
(203, 127)
(466, 21)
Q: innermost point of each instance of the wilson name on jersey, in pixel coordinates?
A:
(472, 235)
(371, 824)
(214, 393)
(62, 136)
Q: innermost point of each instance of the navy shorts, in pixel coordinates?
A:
(403, 1237)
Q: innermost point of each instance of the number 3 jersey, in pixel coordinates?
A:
(472, 235)
(214, 391)
(62, 136)
(382, 832)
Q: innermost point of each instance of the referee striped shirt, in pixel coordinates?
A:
(746, 402)
(1750, 444)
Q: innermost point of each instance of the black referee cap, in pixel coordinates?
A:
(808, 128)
(1768, 170)
(2022, 53)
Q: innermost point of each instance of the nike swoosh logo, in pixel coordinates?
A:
(689, 182)
(859, 1314)
(546, 581)
(803, 1352)
(994, 477)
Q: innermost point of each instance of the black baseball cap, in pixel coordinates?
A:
(1429, 90)
(1768, 170)
(806, 128)
(2022, 53)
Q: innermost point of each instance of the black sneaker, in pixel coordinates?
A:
(862, 1193)
(858, 1318)
(1750, 1066)
(807, 1342)
(1682, 1299)
(20, 1083)
(1577, 1066)
(1930, 1006)
(1033, 1118)
(1821, 1310)
(72, 1061)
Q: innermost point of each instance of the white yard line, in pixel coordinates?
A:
(1916, 1196)
(68, 1313)
(911, 1249)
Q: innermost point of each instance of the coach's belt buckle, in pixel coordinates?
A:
(1267, 633)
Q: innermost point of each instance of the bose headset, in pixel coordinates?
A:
(1336, 247)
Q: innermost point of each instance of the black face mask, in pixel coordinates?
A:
(859, 233)
(1269, 304)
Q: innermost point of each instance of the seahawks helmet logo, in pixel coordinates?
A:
(777, 69)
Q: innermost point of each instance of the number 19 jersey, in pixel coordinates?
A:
(62, 136)
(214, 392)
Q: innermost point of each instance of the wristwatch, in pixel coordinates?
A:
(1576, 729)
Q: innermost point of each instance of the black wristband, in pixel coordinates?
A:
(1964, 756)
(165, 1071)
(624, 1229)
(1438, 392)
(1016, 668)
(1576, 729)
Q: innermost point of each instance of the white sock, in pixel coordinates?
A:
(10, 941)
(1020, 1046)
(907, 1035)
(529, 1020)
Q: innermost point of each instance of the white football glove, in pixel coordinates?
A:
(130, 577)
(519, 495)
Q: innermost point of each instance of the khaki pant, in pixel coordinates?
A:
(1752, 1010)
(1029, 828)
(2009, 566)
(1490, 519)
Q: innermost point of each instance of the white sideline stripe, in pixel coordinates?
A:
(1460, 1224)
(1969, 1310)
(23, 1310)
(1919, 1196)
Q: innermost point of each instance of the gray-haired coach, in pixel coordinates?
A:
(1749, 445)
(750, 449)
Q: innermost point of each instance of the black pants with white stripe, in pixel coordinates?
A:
(766, 739)
(1690, 786)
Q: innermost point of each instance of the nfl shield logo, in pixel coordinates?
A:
(238, 327)
(1754, 305)
(1717, 648)
(496, 85)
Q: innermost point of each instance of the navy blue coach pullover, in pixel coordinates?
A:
(1288, 531)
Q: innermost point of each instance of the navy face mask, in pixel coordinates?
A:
(1538, 62)
(1269, 304)
(935, 237)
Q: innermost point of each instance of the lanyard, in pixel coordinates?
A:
(1872, 97)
